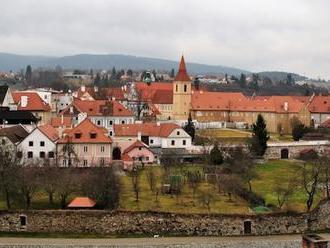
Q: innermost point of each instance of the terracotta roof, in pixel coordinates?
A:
(136, 144)
(57, 122)
(102, 93)
(147, 129)
(320, 104)
(114, 108)
(34, 101)
(15, 134)
(126, 157)
(82, 202)
(326, 124)
(154, 86)
(182, 74)
(49, 131)
(86, 132)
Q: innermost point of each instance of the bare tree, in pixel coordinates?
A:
(66, 185)
(324, 162)
(135, 178)
(50, 174)
(206, 198)
(9, 164)
(310, 182)
(194, 179)
(29, 181)
(284, 190)
(151, 178)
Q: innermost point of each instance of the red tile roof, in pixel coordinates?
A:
(102, 93)
(49, 131)
(136, 144)
(182, 74)
(34, 101)
(82, 202)
(147, 129)
(320, 104)
(57, 122)
(83, 133)
(326, 124)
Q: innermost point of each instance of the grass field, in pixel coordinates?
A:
(268, 175)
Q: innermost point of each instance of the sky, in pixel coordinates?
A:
(256, 35)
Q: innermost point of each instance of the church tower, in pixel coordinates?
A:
(181, 93)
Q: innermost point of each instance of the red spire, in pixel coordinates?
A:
(182, 74)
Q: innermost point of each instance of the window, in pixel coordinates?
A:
(184, 142)
(30, 154)
(110, 133)
(123, 122)
(77, 135)
(98, 122)
(50, 154)
(172, 142)
(23, 220)
(178, 133)
(147, 158)
(42, 143)
(110, 123)
(42, 154)
(30, 143)
(85, 149)
(185, 88)
(19, 154)
(176, 88)
(85, 162)
(92, 135)
(151, 141)
(140, 148)
(102, 161)
(3, 141)
(102, 148)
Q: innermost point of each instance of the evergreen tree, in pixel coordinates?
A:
(196, 83)
(259, 137)
(298, 129)
(97, 79)
(172, 74)
(28, 74)
(242, 81)
(216, 157)
(289, 79)
(129, 73)
(190, 128)
(113, 73)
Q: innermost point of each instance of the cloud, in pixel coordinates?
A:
(289, 35)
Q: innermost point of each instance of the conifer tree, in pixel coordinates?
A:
(259, 137)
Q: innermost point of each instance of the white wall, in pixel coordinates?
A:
(36, 136)
(180, 138)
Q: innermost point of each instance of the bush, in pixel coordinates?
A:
(253, 199)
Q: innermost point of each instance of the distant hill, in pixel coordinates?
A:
(280, 75)
(86, 61)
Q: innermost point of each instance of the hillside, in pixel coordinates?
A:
(87, 61)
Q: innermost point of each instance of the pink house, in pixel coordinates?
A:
(137, 153)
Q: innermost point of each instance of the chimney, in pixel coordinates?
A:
(158, 124)
(83, 88)
(96, 89)
(24, 101)
(286, 106)
(62, 120)
(71, 110)
(139, 135)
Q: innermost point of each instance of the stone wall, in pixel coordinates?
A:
(117, 222)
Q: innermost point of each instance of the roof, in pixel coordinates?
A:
(320, 104)
(146, 129)
(182, 74)
(102, 93)
(59, 121)
(82, 202)
(3, 92)
(99, 108)
(49, 131)
(86, 132)
(326, 124)
(236, 101)
(15, 134)
(34, 101)
(136, 144)
(17, 117)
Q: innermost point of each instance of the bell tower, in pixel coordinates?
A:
(181, 93)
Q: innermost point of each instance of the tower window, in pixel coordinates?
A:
(185, 88)
(176, 88)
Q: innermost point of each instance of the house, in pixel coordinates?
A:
(137, 153)
(103, 113)
(18, 117)
(160, 135)
(85, 145)
(40, 144)
(12, 136)
(31, 101)
(319, 108)
(6, 98)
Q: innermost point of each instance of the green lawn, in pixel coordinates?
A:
(269, 174)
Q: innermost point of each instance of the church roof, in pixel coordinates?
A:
(182, 74)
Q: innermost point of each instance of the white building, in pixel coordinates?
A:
(39, 144)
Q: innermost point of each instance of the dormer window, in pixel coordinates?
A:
(92, 135)
(77, 135)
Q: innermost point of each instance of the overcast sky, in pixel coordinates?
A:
(257, 35)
